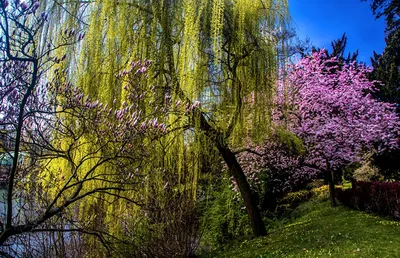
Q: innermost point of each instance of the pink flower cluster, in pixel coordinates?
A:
(275, 164)
(333, 112)
(26, 7)
(138, 67)
(59, 108)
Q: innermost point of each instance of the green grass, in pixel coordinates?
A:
(320, 231)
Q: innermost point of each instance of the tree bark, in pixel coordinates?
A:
(236, 171)
(331, 180)
(256, 221)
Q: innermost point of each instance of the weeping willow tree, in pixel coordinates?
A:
(214, 66)
(211, 82)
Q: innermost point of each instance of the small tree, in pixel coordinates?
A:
(54, 126)
(276, 167)
(331, 109)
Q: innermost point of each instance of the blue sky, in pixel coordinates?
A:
(325, 20)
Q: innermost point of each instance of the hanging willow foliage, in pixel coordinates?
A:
(220, 53)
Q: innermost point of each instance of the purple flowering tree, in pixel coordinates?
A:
(331, 109)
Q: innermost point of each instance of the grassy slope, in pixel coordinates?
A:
(319, 231)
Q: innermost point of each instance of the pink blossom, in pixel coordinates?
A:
(333, 112)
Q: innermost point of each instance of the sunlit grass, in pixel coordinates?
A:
(320, 231)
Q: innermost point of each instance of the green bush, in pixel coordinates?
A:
(315, 184)
(295, 198)
(224, 219)
(367, 172)
(291, 201)
(320, 193)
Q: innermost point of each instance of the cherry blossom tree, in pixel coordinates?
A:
(331, 109)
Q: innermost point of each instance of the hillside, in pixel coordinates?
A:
(316, 230)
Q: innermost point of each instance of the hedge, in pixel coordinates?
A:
(376, 197)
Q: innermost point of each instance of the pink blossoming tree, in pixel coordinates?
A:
(331, 109)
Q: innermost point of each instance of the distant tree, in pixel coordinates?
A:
(387, 65)
(390, 9)
(387, 71)
(301, 47)
(338, 51)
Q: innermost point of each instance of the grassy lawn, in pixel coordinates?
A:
(319, 231)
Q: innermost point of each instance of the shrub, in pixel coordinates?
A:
(291, 201)
(316, 183)
(295, 198)
(367, 172)
(321, 193)
(377, 197)
(224, 219)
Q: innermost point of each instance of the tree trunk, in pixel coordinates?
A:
(236, 171)
(256, 221)
(331, 180)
